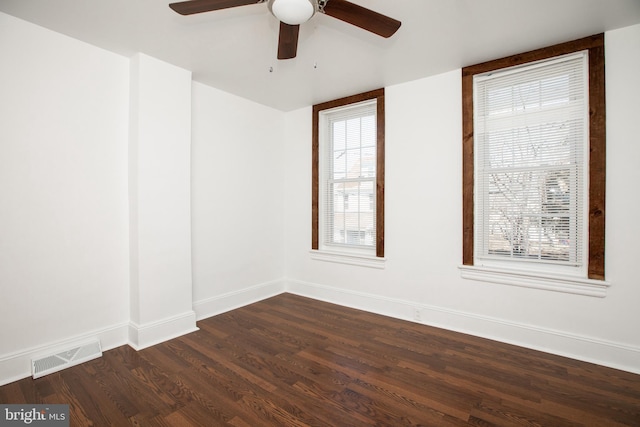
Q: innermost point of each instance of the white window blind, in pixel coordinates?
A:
(348, 177)
(531, 139)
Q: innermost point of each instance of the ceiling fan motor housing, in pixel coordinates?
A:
(293, 12)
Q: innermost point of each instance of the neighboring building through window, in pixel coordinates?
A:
(348, 175)
(534, 161)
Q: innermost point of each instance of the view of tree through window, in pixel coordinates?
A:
(530, 131)
(534, 163)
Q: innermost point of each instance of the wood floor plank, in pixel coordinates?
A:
(294, 361)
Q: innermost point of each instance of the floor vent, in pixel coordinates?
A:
(65, 359)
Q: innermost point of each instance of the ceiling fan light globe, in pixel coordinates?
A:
(293, 12)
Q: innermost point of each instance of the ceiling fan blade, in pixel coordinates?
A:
(199, 6)
(362, 17)
(288, 41)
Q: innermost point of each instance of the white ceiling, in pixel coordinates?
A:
(235, 49)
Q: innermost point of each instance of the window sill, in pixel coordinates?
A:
(351, 259)
(557, 283)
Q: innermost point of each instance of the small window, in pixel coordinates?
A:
(348, 175)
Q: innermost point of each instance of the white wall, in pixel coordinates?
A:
(159, 202)
(95, 198)
(237, 201)
(63, 192)
(423, 228)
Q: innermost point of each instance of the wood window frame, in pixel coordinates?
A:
(597, 144)
(378, 95)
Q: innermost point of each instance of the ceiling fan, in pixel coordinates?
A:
(292, 13)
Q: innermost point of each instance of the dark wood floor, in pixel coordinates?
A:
(294, 361)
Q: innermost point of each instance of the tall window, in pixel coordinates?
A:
(530, 155)
(348, 175)
(534, 161)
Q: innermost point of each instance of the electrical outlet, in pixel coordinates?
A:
(416, 314)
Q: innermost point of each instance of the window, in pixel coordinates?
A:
(348, 175)
(530, 155)
(534, 165)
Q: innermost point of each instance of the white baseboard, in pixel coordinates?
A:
(232, 300)
(16, 366)
(152, 333)
(601, 352)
